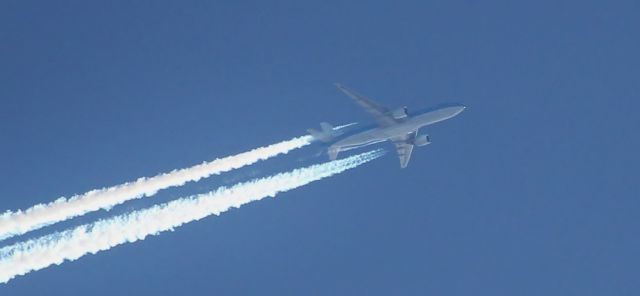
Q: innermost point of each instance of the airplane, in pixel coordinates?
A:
(393, 125)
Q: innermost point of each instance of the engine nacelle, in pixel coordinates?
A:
(400, 113)
(422, 140)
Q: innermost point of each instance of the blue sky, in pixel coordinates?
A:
(531, 191)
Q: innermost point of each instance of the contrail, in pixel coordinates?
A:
(20, 222)
(36, 254)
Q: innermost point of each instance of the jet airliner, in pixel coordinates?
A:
(393, 125)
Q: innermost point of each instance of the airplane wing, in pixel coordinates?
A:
(404, 147)
(380, 113)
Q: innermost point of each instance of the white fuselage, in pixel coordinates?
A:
(406, 126)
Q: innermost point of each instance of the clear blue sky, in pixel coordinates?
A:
(533, 190)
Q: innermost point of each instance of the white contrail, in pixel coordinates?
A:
(19, 222)
(36, 254)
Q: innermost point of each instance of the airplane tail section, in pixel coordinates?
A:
(316, 134)
(326, 134)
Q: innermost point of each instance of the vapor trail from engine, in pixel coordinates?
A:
(36, 254)
(38, 216)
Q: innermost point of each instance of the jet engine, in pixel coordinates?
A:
(422, 140)
(400, 113)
